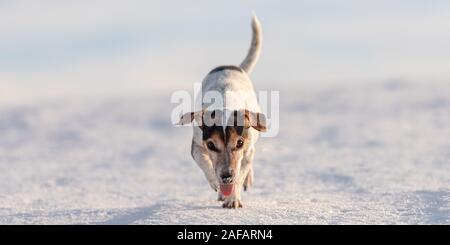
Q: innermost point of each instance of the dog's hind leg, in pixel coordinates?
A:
(248, 161)
(248, 182)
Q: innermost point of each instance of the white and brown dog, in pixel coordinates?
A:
(225, 133)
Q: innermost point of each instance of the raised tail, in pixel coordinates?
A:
(255, 48)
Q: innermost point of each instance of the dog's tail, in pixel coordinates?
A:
(255, 48)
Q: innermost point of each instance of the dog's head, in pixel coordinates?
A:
(226, 138)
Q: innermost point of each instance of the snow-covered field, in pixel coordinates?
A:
(346, 154)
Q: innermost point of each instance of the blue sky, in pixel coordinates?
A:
(58, 48)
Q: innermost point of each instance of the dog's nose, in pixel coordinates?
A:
(227, 177)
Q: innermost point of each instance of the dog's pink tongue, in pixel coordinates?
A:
(226, 189)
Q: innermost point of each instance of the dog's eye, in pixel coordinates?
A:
(211, 146)
(239, 143)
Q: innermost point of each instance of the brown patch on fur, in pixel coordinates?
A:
(217, 138)
(186, 118)
(224, 151)
(235, 154)
(256, 120)
(233, 134)
(227, 155)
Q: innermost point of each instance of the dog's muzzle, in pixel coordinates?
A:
(226, 182)
(227, 177)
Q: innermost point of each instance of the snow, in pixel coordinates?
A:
(374, 153)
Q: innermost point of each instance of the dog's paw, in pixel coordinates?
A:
(232, 204)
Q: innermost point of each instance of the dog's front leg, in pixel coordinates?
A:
(203, 161)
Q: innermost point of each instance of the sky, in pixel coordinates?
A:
(98, 47)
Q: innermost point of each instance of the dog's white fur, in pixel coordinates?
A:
(237, 90)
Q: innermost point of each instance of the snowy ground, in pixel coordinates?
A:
(348, 154)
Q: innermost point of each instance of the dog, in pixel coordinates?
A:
(224, 134)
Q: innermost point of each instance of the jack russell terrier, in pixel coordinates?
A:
(225, 133)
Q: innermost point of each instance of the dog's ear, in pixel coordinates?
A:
(256, 120)
(187, 118)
